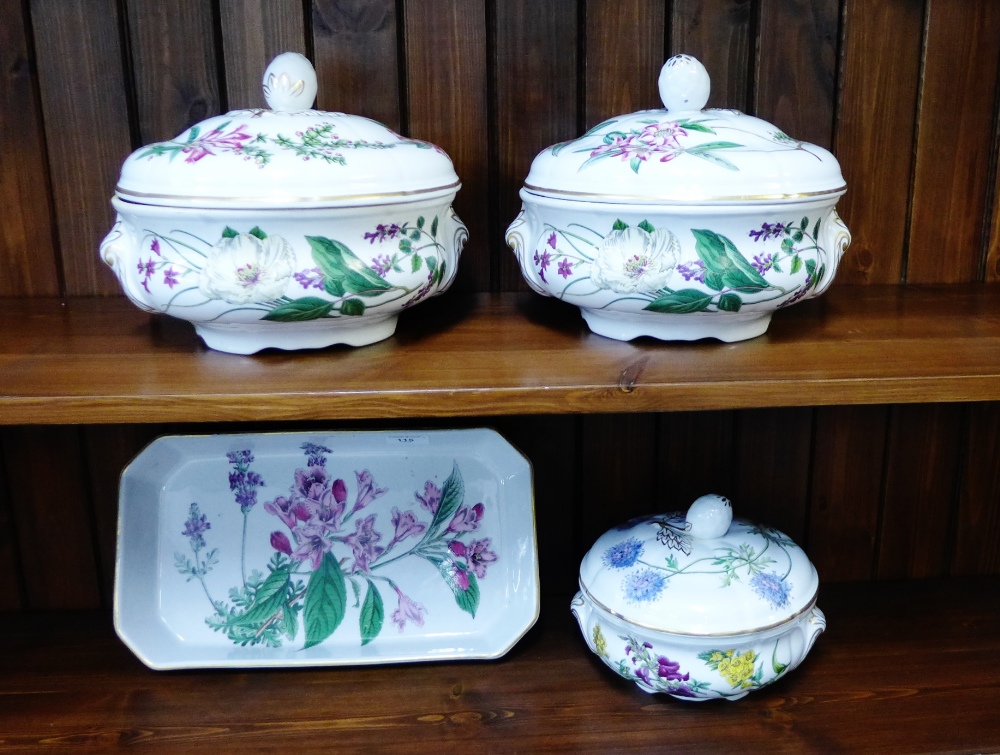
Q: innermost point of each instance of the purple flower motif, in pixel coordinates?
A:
(195, 526)
(565, 268)
(644, 585)
(363, 542)
(310, 278)
(480, 556)
(381, 265)
(406, 525)
(155, 247)
(552, 240)
(466, 519)
(768, 231)
(763, 262)
(314, 545)
(383, 232)
(283, 508)
(408, 610)
(772, 588)
(311, 483)
(694, 270)
(670, 670)
(170, 277)
(315, 453)
(280, 542)
(368, 491)
(624, 554)
(242, 480)
(543, 260)
(431, 498)
(233, 141)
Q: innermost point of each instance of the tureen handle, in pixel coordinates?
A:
(684, 84)
(290, 83)
(835, 240)
(118, 252)
(709, 517)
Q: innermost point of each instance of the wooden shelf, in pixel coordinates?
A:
(904, 667)
(103, 361)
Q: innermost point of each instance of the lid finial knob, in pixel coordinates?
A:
(684, 84)
(290, 83)
(710, 516)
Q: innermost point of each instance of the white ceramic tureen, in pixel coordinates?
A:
(681, 223)
(290, 227)
(700, 606)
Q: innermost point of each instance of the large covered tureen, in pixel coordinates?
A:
(289, 227)
(681, 223)
(698, 605)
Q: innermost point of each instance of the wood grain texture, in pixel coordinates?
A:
(624, 54)
(356, 58)
(26, 246)
(846, 490)
(954, 141)
(717, 32)
(253, 33)
(796, 67)
(173, 66)
(880, 78)
(696, 456)
(446, 96)
(534, 103)
(81, 80)
(45, 474)
(864, 687)
(993, 245)
(922, 468)
(977, 543)
(499, 354)
(774, 466)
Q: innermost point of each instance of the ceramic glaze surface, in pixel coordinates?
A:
(681, 224)
(700, 605)
(287, 228)
(325, 548)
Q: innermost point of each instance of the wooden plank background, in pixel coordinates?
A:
(904, 91)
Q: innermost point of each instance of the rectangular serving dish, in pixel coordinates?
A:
(301, 549)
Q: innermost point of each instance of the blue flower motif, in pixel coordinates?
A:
(772, 588)
(644, 586)
(624, 554)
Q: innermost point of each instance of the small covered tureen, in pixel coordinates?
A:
(290, 227)
(698, 606)
(681, 223)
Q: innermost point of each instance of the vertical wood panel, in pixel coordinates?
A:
(717, 32)
(173, 56)
(954, 140)
(356, 58)
(624, 54)
(992, 262)
(254, 32)
(874, 139)
(446, 96)
(977, 546)
(796, 67)
(696, 457)
(26, 248)
(86, 129)
(922, 468)
(50, 508)
(618, 472)
(774, 452)
(535, 104)
(846, 489)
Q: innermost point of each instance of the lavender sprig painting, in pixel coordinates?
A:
(333, 531)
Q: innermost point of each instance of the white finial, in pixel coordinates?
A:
(290, 83)
(710, 517)
(684, 84)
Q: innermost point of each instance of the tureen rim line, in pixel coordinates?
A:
(809, 605)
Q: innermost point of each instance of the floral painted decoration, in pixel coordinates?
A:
(331, 543)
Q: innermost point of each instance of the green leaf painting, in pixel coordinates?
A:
(300, 310)
(326, 601)
(343, 271)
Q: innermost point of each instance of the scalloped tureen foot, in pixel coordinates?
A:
(624, 326)
(249, 338)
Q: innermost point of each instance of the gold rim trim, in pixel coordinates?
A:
(639, 199)
(756, 630)
(279, 202)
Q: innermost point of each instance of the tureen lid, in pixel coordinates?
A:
(703, 573)
(288, 156)
(685, 154)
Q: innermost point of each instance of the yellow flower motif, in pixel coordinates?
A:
(737, 669)
(600, 644)
(716, 657)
